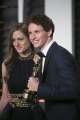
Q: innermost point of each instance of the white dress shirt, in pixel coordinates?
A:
(44, 51)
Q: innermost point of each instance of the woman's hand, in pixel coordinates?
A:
(5, 98)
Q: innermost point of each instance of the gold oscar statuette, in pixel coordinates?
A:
(31, 95)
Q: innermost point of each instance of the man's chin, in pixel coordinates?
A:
(36, 46)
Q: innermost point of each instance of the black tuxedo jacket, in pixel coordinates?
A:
(58, 86)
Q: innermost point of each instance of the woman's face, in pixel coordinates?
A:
(20, 42)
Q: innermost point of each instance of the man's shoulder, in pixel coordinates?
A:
(59, 52)
(60, 49)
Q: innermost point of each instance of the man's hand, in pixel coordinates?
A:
(33, 84)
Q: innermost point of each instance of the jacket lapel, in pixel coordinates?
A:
(50, 51)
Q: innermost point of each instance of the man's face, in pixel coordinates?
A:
(37, 35)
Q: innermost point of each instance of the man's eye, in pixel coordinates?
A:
(37, 31)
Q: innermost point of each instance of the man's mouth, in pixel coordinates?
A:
(35, 41)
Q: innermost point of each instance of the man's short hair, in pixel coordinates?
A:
(44, 21)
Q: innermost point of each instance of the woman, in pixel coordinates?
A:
(17, 67)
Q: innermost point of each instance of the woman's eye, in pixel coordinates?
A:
(20, 39)
(13, 39)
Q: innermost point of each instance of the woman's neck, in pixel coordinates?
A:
(25, 54)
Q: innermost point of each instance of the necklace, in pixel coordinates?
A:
(26, 57)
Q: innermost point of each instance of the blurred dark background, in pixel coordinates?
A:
(76, 28)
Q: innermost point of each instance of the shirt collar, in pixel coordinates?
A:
(46, 48)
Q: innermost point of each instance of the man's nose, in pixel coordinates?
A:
(33, 36)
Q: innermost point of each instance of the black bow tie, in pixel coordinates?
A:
(41, 54)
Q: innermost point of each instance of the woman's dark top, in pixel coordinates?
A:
(20, 72)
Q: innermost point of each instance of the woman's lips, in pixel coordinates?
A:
(18, 48)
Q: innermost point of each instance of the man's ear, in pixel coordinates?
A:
(49, 32)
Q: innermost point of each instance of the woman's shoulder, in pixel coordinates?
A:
(3, 65)
(4, 70)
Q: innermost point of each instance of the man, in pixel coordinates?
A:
(58, 85)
